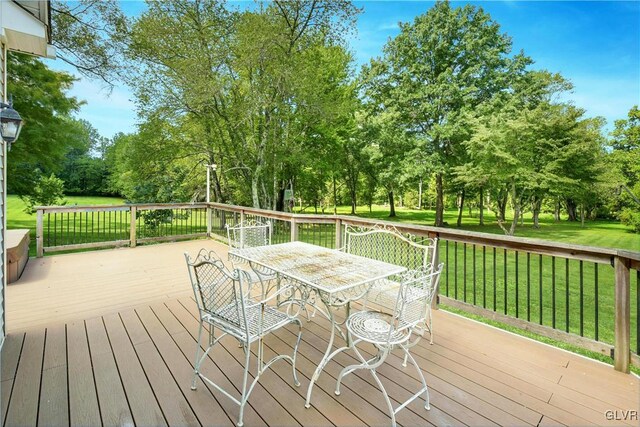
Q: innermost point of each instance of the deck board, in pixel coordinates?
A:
(114, 408)
(54, 403)
(109, 338)
(23, 407)
(83, 399)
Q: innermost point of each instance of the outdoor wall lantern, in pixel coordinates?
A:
(10, 123)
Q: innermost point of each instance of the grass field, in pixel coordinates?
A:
(18, 218)
(594, 233)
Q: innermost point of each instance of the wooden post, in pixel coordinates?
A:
(294, 230)
(622, 342)
(338, 233)
(132, 227)
(242, 216)
(208, 220)
(39, 233)
(436, 261)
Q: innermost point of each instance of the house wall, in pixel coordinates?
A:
(3, 75)
(3, 97)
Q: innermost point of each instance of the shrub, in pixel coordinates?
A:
(631, 218)
(48, 191)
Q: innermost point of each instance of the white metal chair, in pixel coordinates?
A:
(250, 234)
(224, 302)
(386, 243)
(389, 331)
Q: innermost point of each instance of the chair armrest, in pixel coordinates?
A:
(271, 297)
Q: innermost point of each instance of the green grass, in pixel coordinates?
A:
(602, 233)
(18, 218)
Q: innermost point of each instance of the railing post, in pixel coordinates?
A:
(132, 227)
(435, 301)
(208, 220)
(242, 216)
(338, 233)
(622, 343)
(39, 233)
(294, 229)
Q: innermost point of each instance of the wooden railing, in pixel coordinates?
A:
(65, 228)
(577, 294)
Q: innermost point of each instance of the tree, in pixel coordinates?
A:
(85, 171)
(623, 169)
(48, 191)
(246, 90)
(40, 94)
(529, 144)
(447, 61)
(90, 35)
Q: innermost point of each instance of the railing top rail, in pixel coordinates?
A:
(84, 208)
(591, 253)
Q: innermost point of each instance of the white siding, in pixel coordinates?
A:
(2, 201)
(2, 74)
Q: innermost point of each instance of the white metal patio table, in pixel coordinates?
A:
(336, 278)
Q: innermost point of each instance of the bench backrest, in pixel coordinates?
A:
(385, 243)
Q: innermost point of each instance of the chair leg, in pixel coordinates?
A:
(245, 395)
(430, 327)
(424, 382)
(196, 365)
(377, 361)
(295, 354)
(372, 364)
(392, 413)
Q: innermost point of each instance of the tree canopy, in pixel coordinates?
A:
(448, 116)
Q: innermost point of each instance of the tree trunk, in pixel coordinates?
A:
(572, 210)
(536, 204)
(335, 197)
(556, 212)
(280, 200)
(481, 206)
(502, 209)
(254, 191)
(439, 201)
(516, 212)
(460, 208)
(582, 215)
(392, 208)
(420, 194)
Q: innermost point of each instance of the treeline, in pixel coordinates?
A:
(447, 117)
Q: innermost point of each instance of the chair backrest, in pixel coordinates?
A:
(415, 294)
(386, 243)
(249, 234)
(219, 293)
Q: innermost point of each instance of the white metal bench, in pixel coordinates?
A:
(386, 243)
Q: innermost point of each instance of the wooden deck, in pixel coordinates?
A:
(108, 338)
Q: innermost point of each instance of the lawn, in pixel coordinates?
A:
(18, 218)
(595, 233)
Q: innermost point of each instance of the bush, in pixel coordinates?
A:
(631, 218)
(48, 191)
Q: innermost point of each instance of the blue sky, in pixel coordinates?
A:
(594, 44)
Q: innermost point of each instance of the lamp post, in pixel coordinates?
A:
(10, 124)
(210, 168)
